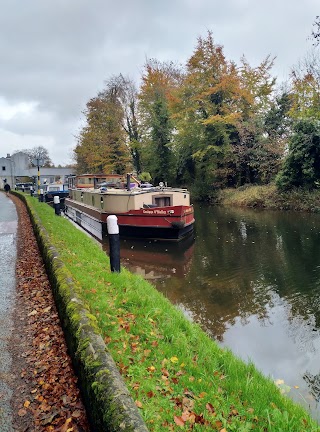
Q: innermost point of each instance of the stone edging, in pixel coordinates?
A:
(108, 402)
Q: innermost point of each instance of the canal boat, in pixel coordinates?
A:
(161, 213)
(55, 189)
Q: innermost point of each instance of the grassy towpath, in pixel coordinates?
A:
(178, 377)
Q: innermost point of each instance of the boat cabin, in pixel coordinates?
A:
(121, 200)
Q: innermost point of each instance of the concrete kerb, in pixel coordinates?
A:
(108, 402)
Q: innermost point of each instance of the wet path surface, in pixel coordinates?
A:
(8, 254)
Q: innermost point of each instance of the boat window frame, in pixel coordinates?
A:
(170, 196)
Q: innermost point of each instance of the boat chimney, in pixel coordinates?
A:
(128, 181)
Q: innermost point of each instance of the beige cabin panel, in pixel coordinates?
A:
(122, 201)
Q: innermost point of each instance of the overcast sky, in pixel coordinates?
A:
(56, 54)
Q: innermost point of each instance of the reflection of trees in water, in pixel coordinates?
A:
(278, 253)
(313, 382)
(217, 306)
(246, 260)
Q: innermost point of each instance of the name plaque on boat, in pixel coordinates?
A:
(155, 211)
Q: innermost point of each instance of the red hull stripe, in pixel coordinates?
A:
(164, 217)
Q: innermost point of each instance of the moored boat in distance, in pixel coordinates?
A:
(56, 189)
(161, 212)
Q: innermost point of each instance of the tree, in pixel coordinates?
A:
(277, 122)
(158, 82)
(219, 110)
(161, 134)
(302, 165)
(206, 112)
(128, 98)
(316, 31)
(101, 143)
(262, 140)
(39, 153)
(305, 88)
(254, 156)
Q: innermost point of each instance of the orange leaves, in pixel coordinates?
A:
(138, 403)
(107, 339)
(179, 421)
(189, 416)
(66, 426)
(210, 408)
(227, 119)
(125, 322)
(22, 412)
(165, 372)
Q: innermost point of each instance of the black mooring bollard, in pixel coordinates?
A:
(56, 204)
(114, 243)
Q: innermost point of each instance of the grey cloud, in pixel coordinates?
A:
(59, 53)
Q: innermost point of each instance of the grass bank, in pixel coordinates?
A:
(269, 197)
(178, 377)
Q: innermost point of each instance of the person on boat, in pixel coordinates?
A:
(7, 188)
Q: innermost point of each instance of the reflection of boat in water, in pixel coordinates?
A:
(161, 212)
(156, 260)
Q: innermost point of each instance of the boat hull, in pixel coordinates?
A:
(155, 233)
(162, 223)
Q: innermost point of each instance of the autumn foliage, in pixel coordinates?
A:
(210, 123)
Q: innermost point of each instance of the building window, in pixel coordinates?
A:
(3, 168)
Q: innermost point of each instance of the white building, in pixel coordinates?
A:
(17, 166)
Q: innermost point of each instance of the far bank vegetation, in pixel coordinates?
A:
(209, 125)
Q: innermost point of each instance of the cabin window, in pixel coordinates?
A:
(92, 199)
(3, 168)
(81, 197)
(162, 201)
(101, 202)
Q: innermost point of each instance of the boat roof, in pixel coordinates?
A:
(133, 191)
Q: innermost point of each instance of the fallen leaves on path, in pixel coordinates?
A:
(46, 397)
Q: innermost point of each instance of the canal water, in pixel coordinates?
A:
(252, 280)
